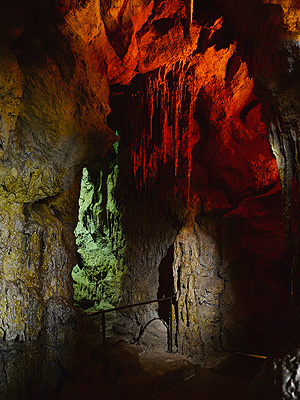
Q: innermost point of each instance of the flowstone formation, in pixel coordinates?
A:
(198, 288)
(100, 240)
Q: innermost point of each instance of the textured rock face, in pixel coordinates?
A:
(44, 145)
(52, 121)
(279, 377)
(198, 288)
(100, 237)
(275, 82)
(256, 278)
(120, 256)
(273, 53)
(192, 138)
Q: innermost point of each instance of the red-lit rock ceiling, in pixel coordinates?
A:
(196, 85)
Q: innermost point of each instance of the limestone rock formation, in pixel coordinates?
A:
(198, 288)
(193, 141)
(52, 122)
(99, 235)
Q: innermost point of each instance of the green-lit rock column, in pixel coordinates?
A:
(100, 238)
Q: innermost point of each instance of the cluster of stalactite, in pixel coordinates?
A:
(164, 124)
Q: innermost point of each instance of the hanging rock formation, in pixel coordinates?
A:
(192, 141)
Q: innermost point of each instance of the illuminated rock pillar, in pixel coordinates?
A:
(197, 288)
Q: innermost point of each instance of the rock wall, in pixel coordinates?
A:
(100, 238)
(272, 50)
(52, 121)
(229, 183)
(120, 256)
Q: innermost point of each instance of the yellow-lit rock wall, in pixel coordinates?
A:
(52, 123)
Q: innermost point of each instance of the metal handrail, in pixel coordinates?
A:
(129, 306)
(103, 312)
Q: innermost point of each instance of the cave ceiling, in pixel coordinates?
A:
(212, 76)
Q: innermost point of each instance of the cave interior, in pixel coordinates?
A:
(149, 149)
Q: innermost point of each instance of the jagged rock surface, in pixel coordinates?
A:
(196, 140)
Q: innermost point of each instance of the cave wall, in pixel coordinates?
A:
(119, 255)
(219, 171)
(52, 122)
(99, 236)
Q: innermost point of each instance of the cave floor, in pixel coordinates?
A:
(186, 382)
(135, 372)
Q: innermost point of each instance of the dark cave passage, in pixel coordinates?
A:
(166, 283)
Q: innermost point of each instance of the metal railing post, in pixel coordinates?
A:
(170, 326)
(103, 346)
(103, 312)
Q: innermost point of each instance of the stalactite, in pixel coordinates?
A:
(178, 79)
(189, 140)
(164, 110)
(189, 14)
(150, 102)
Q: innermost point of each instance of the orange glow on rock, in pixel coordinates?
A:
(169, 130)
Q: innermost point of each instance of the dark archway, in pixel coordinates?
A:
(166, 283)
